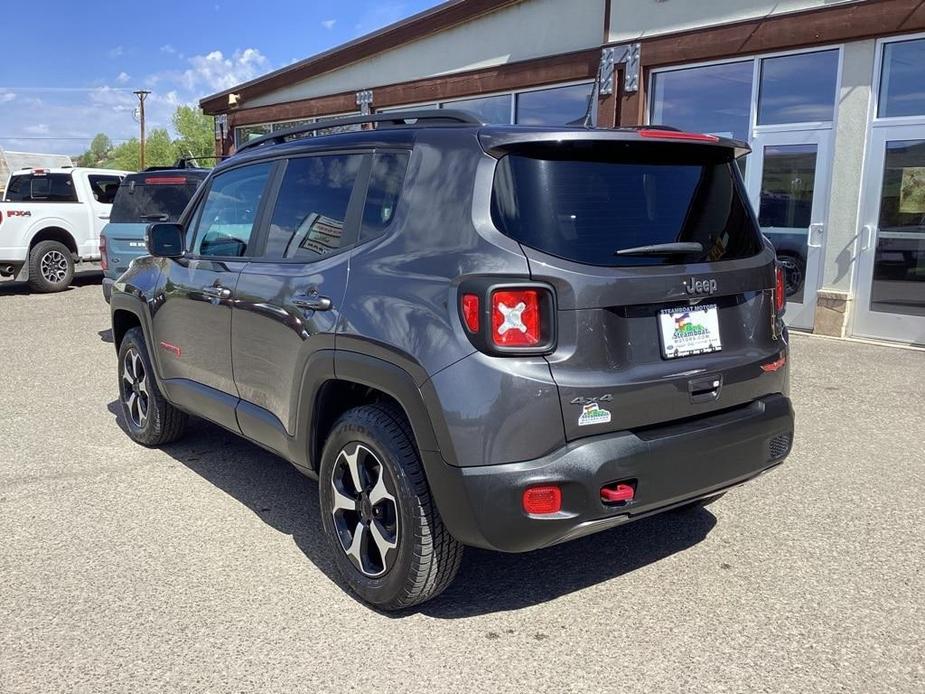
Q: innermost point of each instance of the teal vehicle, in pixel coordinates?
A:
(153, 195)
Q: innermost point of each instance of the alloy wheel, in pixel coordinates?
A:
(54, 267)
(135, 388)
(364, 510)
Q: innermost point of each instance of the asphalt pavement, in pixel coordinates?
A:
(201, 566)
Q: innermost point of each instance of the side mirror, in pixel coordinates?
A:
(164, 240)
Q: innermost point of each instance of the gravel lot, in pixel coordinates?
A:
(200, 567)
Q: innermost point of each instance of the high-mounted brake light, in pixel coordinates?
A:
(165, 181)
(515, 317)
(104, 261)
(780, 295)
(470, 311)
(676, 135)
(542, 500)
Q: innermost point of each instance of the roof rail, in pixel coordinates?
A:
(432, 117)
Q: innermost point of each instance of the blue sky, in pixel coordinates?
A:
(68, 75)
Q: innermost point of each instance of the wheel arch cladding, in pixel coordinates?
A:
(122, 321)
(55, 234)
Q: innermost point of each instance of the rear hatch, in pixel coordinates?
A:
(660, 334)
(142, 199)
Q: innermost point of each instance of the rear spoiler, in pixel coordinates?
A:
(499, 141)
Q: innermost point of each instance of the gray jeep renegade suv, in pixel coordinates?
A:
(504, 337)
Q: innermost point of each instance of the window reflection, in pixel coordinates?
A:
(711, 99)
(902, 88)
(557, 106)
(798, 88)
(491, 109)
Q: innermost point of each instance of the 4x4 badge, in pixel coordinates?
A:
(693, 286)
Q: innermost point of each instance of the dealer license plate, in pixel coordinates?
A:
(689, 330)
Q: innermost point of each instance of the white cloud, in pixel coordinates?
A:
(116, 52)
(6, 97)
(329, 23)
(214, 72)
(167, 48)
(37, 129)
(122, 77)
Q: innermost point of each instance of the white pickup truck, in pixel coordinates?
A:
(50, 219)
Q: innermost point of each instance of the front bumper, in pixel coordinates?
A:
(107, 288)
(671, 465)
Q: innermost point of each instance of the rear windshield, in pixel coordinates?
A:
(584, 204)
(56, 187)
(146, 199)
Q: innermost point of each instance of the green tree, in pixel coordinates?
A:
(196, 134)
(160, 150)
(99, 151)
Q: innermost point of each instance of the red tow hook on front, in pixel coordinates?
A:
(618, 492)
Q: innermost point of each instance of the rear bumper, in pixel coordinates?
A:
(670, 465)
(107, 288)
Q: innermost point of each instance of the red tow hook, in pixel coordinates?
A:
(615, 493)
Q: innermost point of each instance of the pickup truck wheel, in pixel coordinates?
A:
(51, 267)
(149, 418)
(386, 534)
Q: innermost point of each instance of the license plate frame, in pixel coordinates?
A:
(686, 331)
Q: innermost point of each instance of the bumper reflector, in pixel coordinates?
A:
(772, 366)
(539, 501)
(615, 493)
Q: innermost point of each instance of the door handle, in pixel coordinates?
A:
(216, 291)
(815, 230)
(312, 301)
(867, 237)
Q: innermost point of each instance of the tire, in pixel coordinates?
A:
(51, 267)
(405, 555)
(700, 503)
(794, 273)
(149, 418)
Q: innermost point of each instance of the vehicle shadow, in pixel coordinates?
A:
(487, 582)
(81, 279)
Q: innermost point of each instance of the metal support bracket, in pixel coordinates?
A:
(365, 101)
(612, 56)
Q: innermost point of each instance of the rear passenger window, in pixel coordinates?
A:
(230, 210)
(384, 190)
(308, 221)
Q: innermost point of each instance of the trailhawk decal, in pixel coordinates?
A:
(593, 414)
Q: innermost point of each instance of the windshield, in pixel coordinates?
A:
(586, 203)
(146, 199)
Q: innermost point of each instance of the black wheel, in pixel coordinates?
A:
(149, 418)
(51, 267)
(794, 273)
(387, 537)
(701, 503)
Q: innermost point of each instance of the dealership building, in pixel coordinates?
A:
(829, 93)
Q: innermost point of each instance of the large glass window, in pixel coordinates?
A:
(230, 210)
(902, 85)
(246, 133)
(558, 106)
(711, 99)
(311, 209)
(787, 184)
(153, 197)
(385, 182)
(798, 88)
(587, 204)
(491, 109)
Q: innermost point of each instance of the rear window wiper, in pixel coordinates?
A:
(675, 248)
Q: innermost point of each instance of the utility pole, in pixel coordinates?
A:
(142, 94)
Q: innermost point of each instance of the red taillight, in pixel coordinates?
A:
(470, 311)
(542, 500)
(165, 181)
(780, 296)
(1, 218)
(515, 318)
(104, 261)
(676, 135)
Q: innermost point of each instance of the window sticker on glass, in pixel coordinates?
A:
(912, 190)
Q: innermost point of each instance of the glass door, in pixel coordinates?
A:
(891, 258)
(788, 181)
